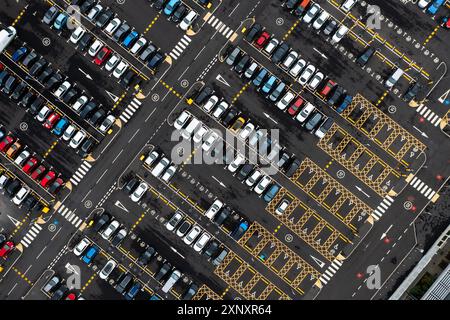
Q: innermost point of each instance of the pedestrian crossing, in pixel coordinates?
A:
(70, 216)
(180, 47)
(130, 110)
(81, 172)
(331, 271)
(420, 186)
(429, 115)
(382, 207)
(226, 31)
(31, 235)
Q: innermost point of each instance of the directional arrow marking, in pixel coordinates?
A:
(222, 80)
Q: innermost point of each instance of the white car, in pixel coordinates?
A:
(151, 158)
(168, 174)
(20, 195)
(94, 12)
(138, 45)
(95, 48)
(62, 89)
(281, 208)
(188, 20)
(120, 69)
(321, 19)
(339, 34)
(69, 132)
(112, 26)
(246, 131)
(192, 235)
(79, 104)
(270, 47)
(305, 112)
(107, 123)
(297, 68)
(211, 103)
(289, 60)
(311, 13)
(316, 80)
(423, 3)
(139, 192)
(221, 108)
(112, 62)
(286, 100)
(307, 74)
(253, 178)
(112, 227)
(202, 241)
(348, 5)
(173, 222)
(77, 34)
(182, 120)
(77, 139)
(214, 209)
(81, 246)
(199, 133)
(22, 157)
(43, 113)
(262, 185)
(210, 141)
(233, 166)
(107, 269)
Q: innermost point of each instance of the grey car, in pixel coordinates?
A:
(232, 56)
(50, 15)
(51, 285)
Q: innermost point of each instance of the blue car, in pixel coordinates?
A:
(90, 254)
(19, 54)
(171, 6)
(434, 7)
(155, 297)
(269, 84)
(271, 193)
(133, 291)
(61, 127)
(347, 100)
(60, 21)
(260, 77)
(240, 230)
(130, 39)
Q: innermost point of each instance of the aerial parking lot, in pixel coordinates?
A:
(219, 150)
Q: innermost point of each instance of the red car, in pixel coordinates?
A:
(102, 56)
(6, 249)
(295, 107)
(327, 88)
(262, 40)
(2, 66)
(5, 143)
(37, 174)
(51, 121)
(71, 296)
(30, 165)
(49, 178)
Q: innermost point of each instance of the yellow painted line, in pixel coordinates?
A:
(286, 35)
(432, 34)
(20, 274)
(88, 282)
(171, 89)
(19, 17)
(50, 149)
(119, 100)
(151, 23)
(241, 91)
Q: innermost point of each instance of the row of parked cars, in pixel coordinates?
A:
(59, 291)
(431, 6)
(161, 166)
(177, 12)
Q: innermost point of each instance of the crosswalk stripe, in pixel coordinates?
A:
(221, 28)
(78, 224)
(422, 191)
(229, 34)
(416, 183)
(213, 21)
(420, 107)
(431, 194)
(426, 113)
(428, 192)
(420, 185)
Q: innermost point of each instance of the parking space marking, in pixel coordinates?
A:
(207, 293)
(32, 233)
(82, 170)
(429, 115)
(338, 151)
(179, 48)
(130, 110)
(70, 216)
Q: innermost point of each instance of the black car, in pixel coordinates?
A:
(243, 62)
(128, 78)
(35, 106)
(280, 53)
(222, 216)
(101, 222)
(228, 119)
(10, 85)
(290, 4)
(121, 32)
(88, 109)
(145, 256)
(55, 187)
(204, 94)
(313, 121)
(85, 41)
(163, 271)
(364, 58)
(70, 95)
(29, 202)
(211, 248)
(104, 18)
(412, 92)
(27, 99)
(253, 32)
(155, 61)
(86, 147)
(30, 59)
(117, 239)
(245, 171)
(59, 294)
(12, 188)
(190, 292)
(338, 92)
(2, 238)
(159, 4)
(131, 185)
(148, 52)
(37, 67)
(97, 117)
(53, 81)
(87, 5)
(124, 281)
(330, 27)
(19, 91)
(179, 13)
(45, 74)
(283, 160)
(4, 75)
(239, 231)
(50, 15)
(204, 2)
(292, 168)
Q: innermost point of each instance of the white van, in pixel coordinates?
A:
(393, 79)
(190, 128)
(160, 167)
(305, 112)
(6, 36)
(171, 281)
(212, 211)
(188, 20)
